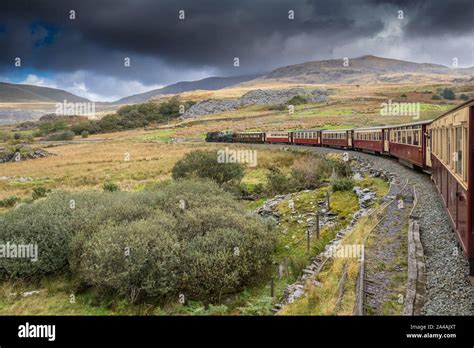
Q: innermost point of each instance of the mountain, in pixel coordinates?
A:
(210, 83)
(17, 93)
(366, 69)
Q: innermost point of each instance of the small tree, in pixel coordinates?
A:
(448, 93)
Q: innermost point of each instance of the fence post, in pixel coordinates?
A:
(308, 240)
(317, 225)
(272, 288)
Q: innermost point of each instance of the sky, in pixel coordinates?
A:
(86, 55)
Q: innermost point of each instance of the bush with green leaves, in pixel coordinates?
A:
(55, 126)
(58, 136)
(436, 97)
(448, 93)
(39, 192)
(278, 182)
(464, 97)
(342, 184)
(8, 202)
(297, 100)
(187, 237)
(111, 187)
(204, 164)
(52, 223)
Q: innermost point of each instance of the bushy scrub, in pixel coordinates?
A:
(8, 202)
(306, 172)
(278, 182)
(187, 238)
(333, 164)
(204, 164)
(53, 223)
(58, 136)
(342, 184)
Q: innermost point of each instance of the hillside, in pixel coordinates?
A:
(211, 83)
(366, 69)
(18, 93)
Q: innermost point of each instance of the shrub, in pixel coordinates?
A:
(448, 93)
(297, 100)
(463, 97)
(53, 222)
(333, 164)
(39, 192)
(436, 97)
(207, 249)
(8, 202)
(143, 244)
(342, 184)
(305, 172)
(55, 126)
(110, 187)
(85, 134)
(278, 182)
(203, 164)
(171, 108)
(17, 136)
(138, 258)
(58, 136)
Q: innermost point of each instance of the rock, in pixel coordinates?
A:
(29, 293)
(255, 97)
(297, 294)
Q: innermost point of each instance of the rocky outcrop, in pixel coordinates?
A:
(22, 153)
(255, 97)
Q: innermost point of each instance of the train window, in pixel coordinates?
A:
(404, 137)
(465, 144)
(416, 138)
(409, 136)
(449, 147)
(458, 151)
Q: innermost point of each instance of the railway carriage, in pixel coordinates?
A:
(369, 139)
(283, 137)
(249, 137)
(452, 161)
(307, 137)
(338, 138)
(410, 144)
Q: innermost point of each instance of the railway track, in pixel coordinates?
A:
(376, 289)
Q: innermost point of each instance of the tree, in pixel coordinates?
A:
(448, 93)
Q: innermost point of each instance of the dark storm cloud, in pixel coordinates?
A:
(213, 33)
(164, 49)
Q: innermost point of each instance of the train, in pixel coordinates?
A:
(442, 147)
